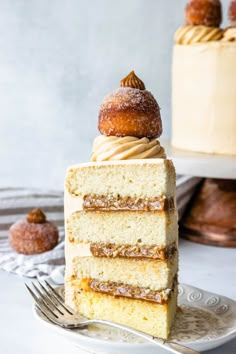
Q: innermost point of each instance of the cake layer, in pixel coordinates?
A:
(204, 99)
(132, 251)
(123, 227)
(122, 179)
(152, 274)
(155, 319)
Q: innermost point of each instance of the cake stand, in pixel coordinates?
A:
(211, 215)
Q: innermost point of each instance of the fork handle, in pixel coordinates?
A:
(173, 347)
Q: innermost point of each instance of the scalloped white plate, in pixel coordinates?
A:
(204, 321)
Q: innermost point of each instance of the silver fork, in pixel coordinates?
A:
(53, 307)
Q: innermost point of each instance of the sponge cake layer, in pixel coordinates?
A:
(155, 319)
(152, 274)
(123, 227)
(123, 179)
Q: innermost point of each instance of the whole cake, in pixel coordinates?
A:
(121, 219)
(204, 80)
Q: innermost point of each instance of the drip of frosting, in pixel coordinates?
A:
(197, 34)
(229, 34)
(125, 148)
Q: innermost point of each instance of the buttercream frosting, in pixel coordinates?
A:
(204, 97)
(124, 148)
(197, 34)
(229, 34)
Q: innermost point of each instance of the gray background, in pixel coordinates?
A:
(58, 58)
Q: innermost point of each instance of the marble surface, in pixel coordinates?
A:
(209, 268)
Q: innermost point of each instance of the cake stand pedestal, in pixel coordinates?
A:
(211, 215)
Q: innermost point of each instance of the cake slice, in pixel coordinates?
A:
(122, 261)
(121, 221)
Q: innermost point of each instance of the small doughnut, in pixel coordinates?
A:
(232, 12)
(34, 234)
(130, 111)
(203, 12)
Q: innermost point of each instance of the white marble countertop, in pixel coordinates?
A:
(209, 268)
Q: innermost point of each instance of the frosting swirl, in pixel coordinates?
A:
(125, 148)
(132, 81)
(197, 34)
(229, 34)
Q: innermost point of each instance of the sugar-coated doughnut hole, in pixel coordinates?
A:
(203, 12)
(130, 112)
(32, 238)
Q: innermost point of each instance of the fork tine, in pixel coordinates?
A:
(49, 297)
(39, 302)
(46, 300)
(58, 298)
(46, 315)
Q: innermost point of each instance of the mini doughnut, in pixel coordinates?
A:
(203, 12)
(34, 234)
(232, 12)
(130, 111)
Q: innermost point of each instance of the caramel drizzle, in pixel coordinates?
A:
(132, 81)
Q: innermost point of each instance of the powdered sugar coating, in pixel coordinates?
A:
(128, 97)
(203, 12)
(30, 238)
(130, 112)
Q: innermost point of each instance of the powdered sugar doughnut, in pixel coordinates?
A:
(32, 237)
(203, 12)
(130, 112)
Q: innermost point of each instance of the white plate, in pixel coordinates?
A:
(204, 321)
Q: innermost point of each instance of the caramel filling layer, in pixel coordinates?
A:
(133, 292)
(132, 251)
(95, 202)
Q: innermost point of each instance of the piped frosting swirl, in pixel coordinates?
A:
(132, 81)
(229, 34)
(107, 148)
(197, 34)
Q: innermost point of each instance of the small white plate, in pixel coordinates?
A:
(204, 321)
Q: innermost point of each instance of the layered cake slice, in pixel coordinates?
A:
(121, 222)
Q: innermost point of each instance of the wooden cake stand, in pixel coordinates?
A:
(210, 217)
